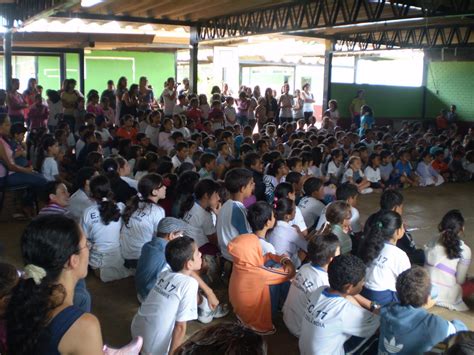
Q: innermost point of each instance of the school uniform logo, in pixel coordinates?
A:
(391, 346)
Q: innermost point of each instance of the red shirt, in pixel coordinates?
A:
(440, 167)
(128, 133)
(195, 114)
(441, 122)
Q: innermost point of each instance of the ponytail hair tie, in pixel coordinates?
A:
(110, 168)
(380, 225)
(104, 199)
(139, 195)
(34, 272)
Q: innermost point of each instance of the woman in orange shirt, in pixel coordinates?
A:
(250, 282)
(127, 130)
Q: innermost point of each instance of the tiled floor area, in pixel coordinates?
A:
(115, 303)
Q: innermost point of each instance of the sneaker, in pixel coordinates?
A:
(367, 191)
(206, 314)
(132, 348)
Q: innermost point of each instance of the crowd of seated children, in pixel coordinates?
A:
(126, 180)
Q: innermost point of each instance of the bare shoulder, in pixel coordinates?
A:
(83, 337)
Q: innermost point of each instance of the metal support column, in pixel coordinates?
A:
(193, 60)
(7, 53)
(62, 68)
(426, 63)
(327, 72)
(82, 65)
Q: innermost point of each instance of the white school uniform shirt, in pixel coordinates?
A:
(231, 222)
(169, 103)
(286, 240)
(267, 248)
(308, 279)
(202, 222)
(141, 228)
(131, 182)
(80, 144)
(337, 171)
(172, 299)
(315, 171)
(299, 220)
(104, 134)
(311, 209)
(382, 273)
(349, 173)
(356, 226)
(230, 115)
(78, 203)
(50, 169)
(177, 163)
(330, 320)
(372, 175)
(152, 133)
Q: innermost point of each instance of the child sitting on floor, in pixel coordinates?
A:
(406, 328)
(385, 261)
(354, 175)
(256, 291)
(161, 319)
(403, 173)
(428, 175)
(311, 276)
(284, 237)
(332, 316)
(311, 205)
(448, 259)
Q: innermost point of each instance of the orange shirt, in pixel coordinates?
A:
(440, 167)
(128, 134)
(249, 291)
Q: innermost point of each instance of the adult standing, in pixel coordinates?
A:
(119, 93)
(355, 107)
(130, 101)
(110, 94)
(285, 104)
(70, 100)
(30, 93)
(257, 93)
(169, 97)
(185, 89)
(16, 103)
(146, 96)
(308, 101)
(272, 106)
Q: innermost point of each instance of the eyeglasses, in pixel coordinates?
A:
(88, 246)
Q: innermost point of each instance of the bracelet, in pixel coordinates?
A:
(285, 259)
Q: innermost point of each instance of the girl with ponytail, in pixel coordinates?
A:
(41, 317)
(141, 218)
(275, 173)
(102, 223)
(284, 237)
(448, 259)
(385, 261)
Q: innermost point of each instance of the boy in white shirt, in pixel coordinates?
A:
(332, 315)
(182, 155)
(311, 205)
(161, 319)
(309, 278)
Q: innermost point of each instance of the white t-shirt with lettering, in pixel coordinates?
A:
(330, 320)
(311, 209)
(202, 222)
(172, 299)
(141, 228)
(308, 279)
(382, 273)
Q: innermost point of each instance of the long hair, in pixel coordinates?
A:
(450, 227)
(47, 242)
(47, 141)
(383, 227)
(146, 185)
(185, 192)
(102, 193)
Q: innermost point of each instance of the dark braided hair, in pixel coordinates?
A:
(450, 227)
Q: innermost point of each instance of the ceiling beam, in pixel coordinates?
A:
(307, 15)
(122, 18)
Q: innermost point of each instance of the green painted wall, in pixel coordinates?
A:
(451, 83)
(386, 101)
(104, 65)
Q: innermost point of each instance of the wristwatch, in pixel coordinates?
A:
(374, 306)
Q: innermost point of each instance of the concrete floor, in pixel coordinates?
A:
(115, 303)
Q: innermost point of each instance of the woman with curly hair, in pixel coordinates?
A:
(447, 260)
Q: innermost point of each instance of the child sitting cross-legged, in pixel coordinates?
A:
(385, 261)
(354, 175)
(333, 322)
(311, 276)
(406, 328)
(256, 291)
(161, 319)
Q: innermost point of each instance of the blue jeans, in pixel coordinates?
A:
(82, 298)
(33, 180)
(381, 297)
(278, 295)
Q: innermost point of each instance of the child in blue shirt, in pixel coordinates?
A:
(406, 328)
(404, 174)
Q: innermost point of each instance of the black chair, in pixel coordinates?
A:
(5, 188)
